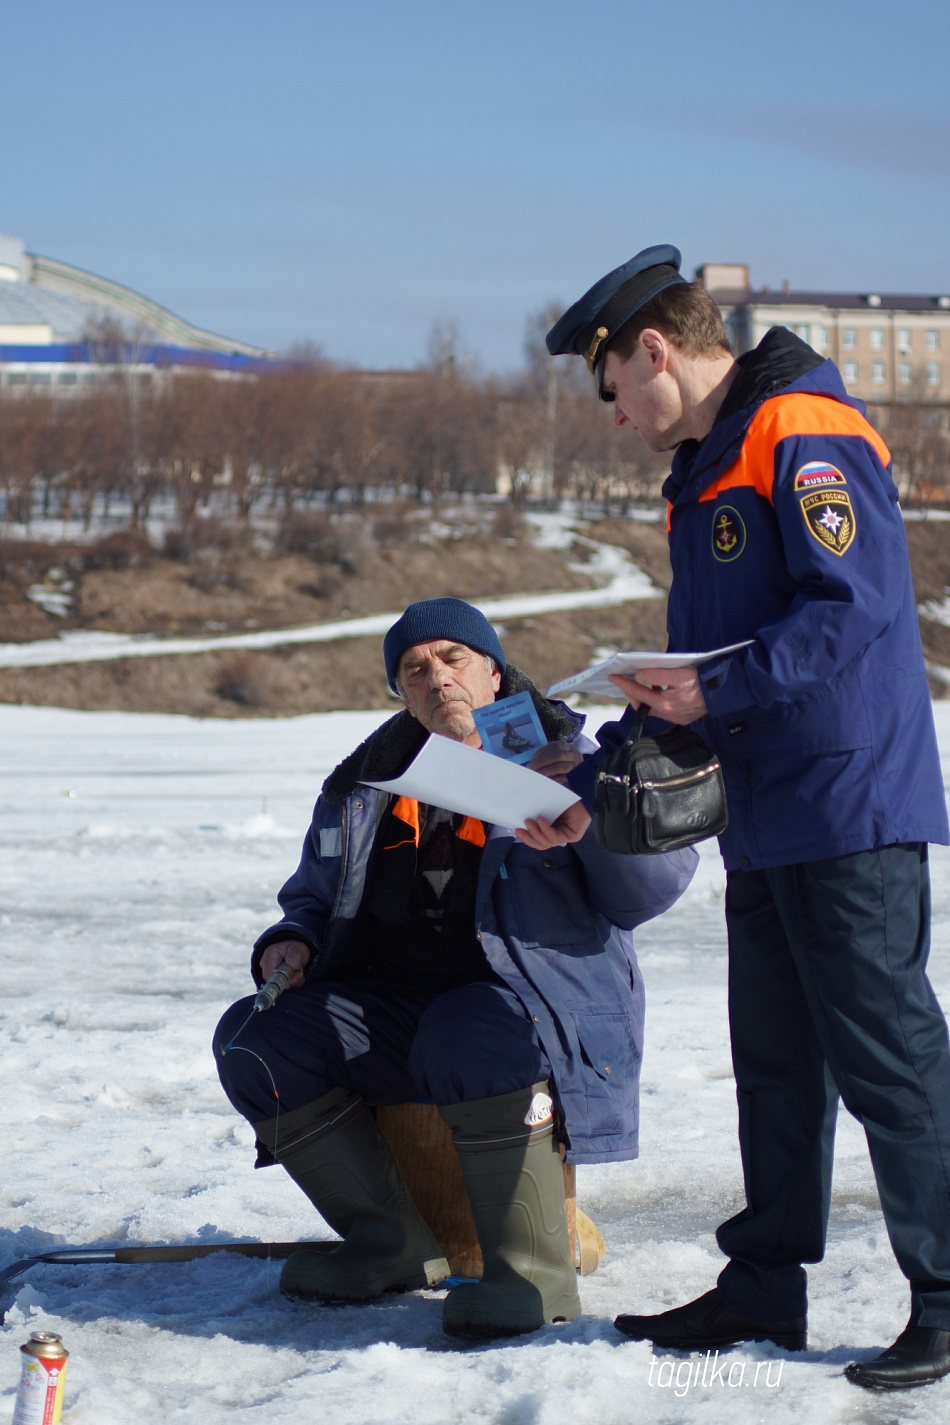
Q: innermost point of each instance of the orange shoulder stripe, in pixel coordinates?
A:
(407, 810)
(782, 416)
(473, 831)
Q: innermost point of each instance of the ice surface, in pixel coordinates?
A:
(139, 856)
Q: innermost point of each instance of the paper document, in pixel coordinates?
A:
(593, 682)
(472, 782)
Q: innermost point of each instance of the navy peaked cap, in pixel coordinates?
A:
(431, 619)
(586, 328)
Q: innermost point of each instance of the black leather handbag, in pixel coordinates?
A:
(656, 794)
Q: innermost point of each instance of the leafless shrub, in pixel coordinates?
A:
(393, 526)
(509, 523)
(200, 536)
(324, 539)
(25, 560)
(210, 570)
(240, 682)
(126, 549)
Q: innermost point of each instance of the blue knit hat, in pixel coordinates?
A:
(440, 618)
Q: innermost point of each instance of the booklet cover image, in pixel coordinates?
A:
(510, 728)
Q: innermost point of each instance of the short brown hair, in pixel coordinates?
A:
(686, 314)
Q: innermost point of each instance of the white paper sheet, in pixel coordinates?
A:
(594, 680)
(466, 780)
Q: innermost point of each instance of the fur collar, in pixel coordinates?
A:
(388, 750)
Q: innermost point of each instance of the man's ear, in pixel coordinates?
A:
(657, 347)
(496, 679)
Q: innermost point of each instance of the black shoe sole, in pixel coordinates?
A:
(854, 1376)
(786, 1341)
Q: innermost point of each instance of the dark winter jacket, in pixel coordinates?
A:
(556, 926)
(785, 529)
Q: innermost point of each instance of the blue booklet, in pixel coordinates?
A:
(510, 728)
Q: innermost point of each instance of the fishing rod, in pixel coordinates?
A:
(183, 1252)
(265, 998)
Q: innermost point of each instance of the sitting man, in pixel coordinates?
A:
(437, 958)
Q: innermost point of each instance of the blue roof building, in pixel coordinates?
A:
(62, 327)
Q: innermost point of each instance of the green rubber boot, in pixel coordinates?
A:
(334, 1151)
(515, 1185)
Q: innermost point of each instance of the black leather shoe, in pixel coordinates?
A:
(920, 1354)
(708, 1324)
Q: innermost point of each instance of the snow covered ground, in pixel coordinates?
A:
(140, 855)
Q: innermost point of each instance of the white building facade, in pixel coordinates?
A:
(888, 347)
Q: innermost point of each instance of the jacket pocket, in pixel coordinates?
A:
(550, 899)
(834, 720)
(611, 1064)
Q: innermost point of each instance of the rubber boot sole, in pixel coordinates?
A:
(429, 1274)
(479, 1312)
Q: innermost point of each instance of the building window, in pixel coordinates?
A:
(903, 340)
(933, 340)
(877, 373)
(850, 371)
(933, 373)
(877, 338)
(824, 338)
(850, 340)
(17, 378)
(67, 378)
(803, 331)
(42, 378)
(904, 369)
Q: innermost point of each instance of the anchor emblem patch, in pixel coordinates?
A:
(728, 534)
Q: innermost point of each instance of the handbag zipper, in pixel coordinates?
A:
(683, 781)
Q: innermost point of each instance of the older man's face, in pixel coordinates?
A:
(441, 682)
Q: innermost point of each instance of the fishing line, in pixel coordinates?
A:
(243, 1049)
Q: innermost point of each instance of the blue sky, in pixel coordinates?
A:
(349, 173)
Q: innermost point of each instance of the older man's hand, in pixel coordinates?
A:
(542, 835)
(555, 760)
(293, 952)
(674, 694)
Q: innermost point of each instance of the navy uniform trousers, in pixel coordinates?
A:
(828, 995)
(388, 1044)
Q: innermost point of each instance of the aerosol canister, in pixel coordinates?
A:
(39, 1399)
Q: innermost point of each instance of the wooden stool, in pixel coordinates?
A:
(421, 1142)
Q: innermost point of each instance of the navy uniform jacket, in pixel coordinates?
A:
(556, 926)
(785, 529)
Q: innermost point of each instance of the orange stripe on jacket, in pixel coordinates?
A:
(783, 416)
(407, 810)
(472, 830)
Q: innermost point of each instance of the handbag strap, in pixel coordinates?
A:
(638, 724)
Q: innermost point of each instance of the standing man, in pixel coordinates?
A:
(489, 971)
(785, 530)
